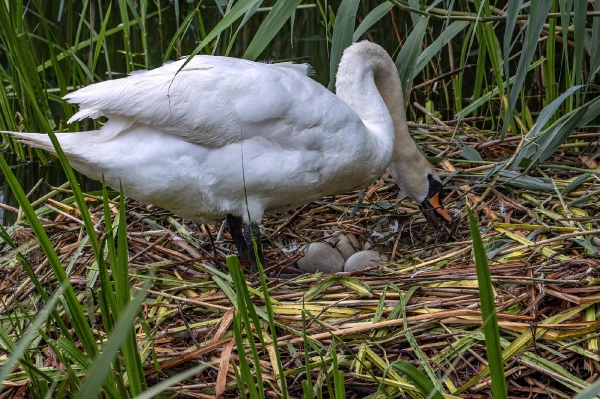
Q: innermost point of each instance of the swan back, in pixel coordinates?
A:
(212, 101)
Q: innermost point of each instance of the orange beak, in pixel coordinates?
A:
(435, 204)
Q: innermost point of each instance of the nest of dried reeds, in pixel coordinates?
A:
(540, 234)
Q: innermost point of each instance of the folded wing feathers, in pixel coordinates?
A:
(304, 69)
(85, 113)
(200, 103)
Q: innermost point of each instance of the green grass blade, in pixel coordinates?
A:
(236, 371)
(247, 312)
(539, 13)
(556, 134)
(566, 9)
(579, 22)
(591, 392)
(238, 278)
(308, 383)
(342, 36)
(488, 312)
(159, 388)
(512, 10)
(85, 215)
(101, 36)
(338, 375)
(51, 390)
(245, 373)
(458, 80)
(70, 351)
(371, 19)
(85, 43)
(120, 269)
(133, 364)
(80, 323)
(534, 135)
(32, 331)
(550, 83)
(429, 372)
(281, 12)
(30, 272)
(409, 53)
(60, 78)
(571, 382)
(230, 17)
(434, 48)
(416, 378)
(102, 364)
(595, 54)
(28, 84)
(180, 32)
(489, 49)
(489, 95)
(271, 321)
(105, 282)
(126, 34)
(251, 11)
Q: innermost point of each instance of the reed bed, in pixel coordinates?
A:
(103, 296)
(540, 233)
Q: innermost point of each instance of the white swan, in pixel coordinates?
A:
(230, 137)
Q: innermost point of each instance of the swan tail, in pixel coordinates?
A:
(67, 142)
(72, 143)
(37, 140)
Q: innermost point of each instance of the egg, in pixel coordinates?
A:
(347, 244)
(319, 256)
(363, 259)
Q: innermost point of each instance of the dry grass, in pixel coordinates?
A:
(546, 285)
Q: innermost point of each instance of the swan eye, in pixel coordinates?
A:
(435, 187)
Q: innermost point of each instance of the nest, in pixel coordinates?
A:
(540, 234)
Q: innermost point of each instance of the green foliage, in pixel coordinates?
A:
(488, 313)
(101, 367)
(417, 378)
(539, 13)
(280, 13)
(79, 320)
(17, 352)
(246, 319)
(342, 36)
(125, 32)
(591, 392)
(407, 57)
(46, 53)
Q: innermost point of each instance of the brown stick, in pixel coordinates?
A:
(442, 76)
(473, 197)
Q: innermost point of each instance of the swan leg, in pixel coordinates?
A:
(256, 235)
(234, 225)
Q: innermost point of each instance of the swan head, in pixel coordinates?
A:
(419, 181)
(432, 204)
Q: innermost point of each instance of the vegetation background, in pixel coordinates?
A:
(520, 75)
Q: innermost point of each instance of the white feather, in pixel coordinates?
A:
(229, 136)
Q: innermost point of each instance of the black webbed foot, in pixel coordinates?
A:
(242, 238)
(235, 226)
(254, 255)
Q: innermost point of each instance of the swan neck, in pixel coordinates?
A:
(368, 82)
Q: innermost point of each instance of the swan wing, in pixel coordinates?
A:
(213, 101)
